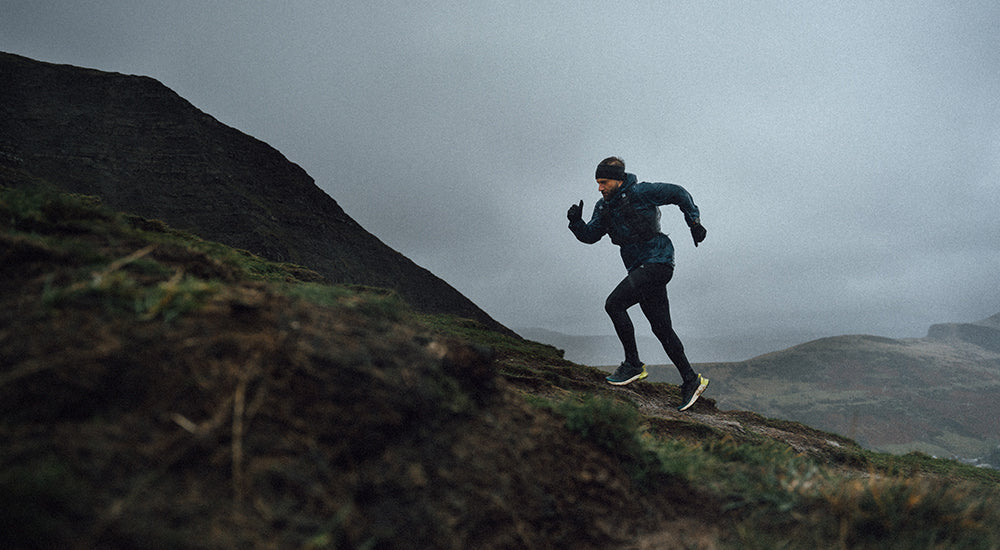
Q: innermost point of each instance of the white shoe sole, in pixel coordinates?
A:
(639, 376)
(697, 393)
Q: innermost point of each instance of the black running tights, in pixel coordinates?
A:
(647, 286)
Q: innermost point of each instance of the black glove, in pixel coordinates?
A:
(698, 233)
(575, 212)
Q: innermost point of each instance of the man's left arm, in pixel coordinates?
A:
(669, 193)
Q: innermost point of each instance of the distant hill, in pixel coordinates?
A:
(939, 394)
(605, 350)
(143, 149)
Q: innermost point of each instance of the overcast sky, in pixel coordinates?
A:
(845, 155)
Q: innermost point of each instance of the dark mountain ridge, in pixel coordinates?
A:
(143, 149)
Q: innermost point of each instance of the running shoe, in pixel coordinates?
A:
(626, 373)
(690, 391)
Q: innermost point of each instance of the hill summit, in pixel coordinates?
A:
(143, 149)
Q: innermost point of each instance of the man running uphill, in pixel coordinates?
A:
(629, 214)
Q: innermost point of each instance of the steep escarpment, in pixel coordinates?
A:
(984, 334)
(143, 149)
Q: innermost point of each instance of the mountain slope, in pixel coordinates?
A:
(144, 149)
(161, 391)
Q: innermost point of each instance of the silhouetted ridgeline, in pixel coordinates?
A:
(144, 149)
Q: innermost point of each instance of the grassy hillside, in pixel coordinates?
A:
(161, 391)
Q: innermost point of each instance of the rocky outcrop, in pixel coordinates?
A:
(144, 149)
(979, 334)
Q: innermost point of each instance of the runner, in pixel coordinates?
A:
(629, 214)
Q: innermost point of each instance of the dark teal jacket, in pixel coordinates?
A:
(632, 219)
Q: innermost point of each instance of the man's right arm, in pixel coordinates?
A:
(590, 232)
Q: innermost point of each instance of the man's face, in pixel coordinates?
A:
(608, 187)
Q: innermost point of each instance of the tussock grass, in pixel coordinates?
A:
(372, 300)
(474, 331)
(135, 266)
(783, 499)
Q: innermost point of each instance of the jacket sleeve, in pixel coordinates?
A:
(592, 231)
(669, 193)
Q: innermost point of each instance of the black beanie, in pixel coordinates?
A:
(610, 172)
